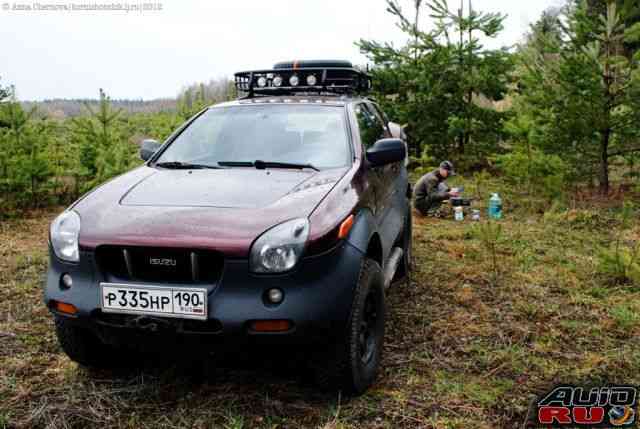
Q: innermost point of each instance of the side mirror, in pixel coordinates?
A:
(148, 148)
(386, 151)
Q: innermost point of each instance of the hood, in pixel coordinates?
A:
(225, 209)
(247, 188)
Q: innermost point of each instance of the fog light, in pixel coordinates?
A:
(277, 81)
(294, 80)
(67, 281)
(262, 82)
(311, 80)
(275, 296)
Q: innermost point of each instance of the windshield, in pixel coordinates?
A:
(296, 134)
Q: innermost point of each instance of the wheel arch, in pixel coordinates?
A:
(374, 248)
(365, 237)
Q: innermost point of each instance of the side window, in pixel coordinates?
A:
(370, 127)
(382, 118)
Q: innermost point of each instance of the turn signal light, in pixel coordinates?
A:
(345, 227)
(271, 326)
(63, 307)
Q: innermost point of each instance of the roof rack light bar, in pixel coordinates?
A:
(283, 81)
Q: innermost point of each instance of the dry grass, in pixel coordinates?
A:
(461, 351)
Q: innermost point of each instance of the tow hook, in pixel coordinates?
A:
(148, 323)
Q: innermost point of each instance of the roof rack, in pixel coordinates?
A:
(307, 77)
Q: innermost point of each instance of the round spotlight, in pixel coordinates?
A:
(311, 80)
(277, 81)
(66, 281)
(262, 81)
(275, 296)
(294, 80)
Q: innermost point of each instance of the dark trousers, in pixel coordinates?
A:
(432, 208)
(427, 209)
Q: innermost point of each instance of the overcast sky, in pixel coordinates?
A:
(152, 54)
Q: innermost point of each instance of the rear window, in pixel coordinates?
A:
(304, 134)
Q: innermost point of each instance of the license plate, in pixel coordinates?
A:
(186, 303)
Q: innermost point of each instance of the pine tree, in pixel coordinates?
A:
(103, 151)
(585, 100)
(5, 93)
(443, 83)
(23, 162)
(592, 10)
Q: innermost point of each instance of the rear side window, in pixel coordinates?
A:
(370, 126)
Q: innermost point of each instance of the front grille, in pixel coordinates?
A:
(158, 264)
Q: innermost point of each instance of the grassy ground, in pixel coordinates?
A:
(468, 345)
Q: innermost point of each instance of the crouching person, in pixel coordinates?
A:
(431, 190)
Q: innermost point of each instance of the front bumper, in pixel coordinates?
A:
(317, 301)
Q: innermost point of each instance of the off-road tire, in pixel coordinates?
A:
(82, 346)
(343, 367)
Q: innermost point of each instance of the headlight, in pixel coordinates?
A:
(280, 248)
(64, 236)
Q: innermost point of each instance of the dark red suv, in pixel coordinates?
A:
(278, 218)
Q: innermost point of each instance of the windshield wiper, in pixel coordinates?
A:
(261, 165)
(178, 165)
(236, 163)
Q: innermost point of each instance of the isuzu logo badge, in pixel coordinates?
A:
(165, 262)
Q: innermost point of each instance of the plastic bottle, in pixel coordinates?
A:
(459, 213)
(495, 207)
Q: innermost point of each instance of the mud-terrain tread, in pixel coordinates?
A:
(335, 371)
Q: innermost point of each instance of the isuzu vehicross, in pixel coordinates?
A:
(278, 219)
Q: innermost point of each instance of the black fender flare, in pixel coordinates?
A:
(363, 231)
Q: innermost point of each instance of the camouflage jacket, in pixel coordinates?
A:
(431, 190)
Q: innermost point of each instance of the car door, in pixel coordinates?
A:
(393, 205)
(367, 129)
(372, 129)
(389, 171)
